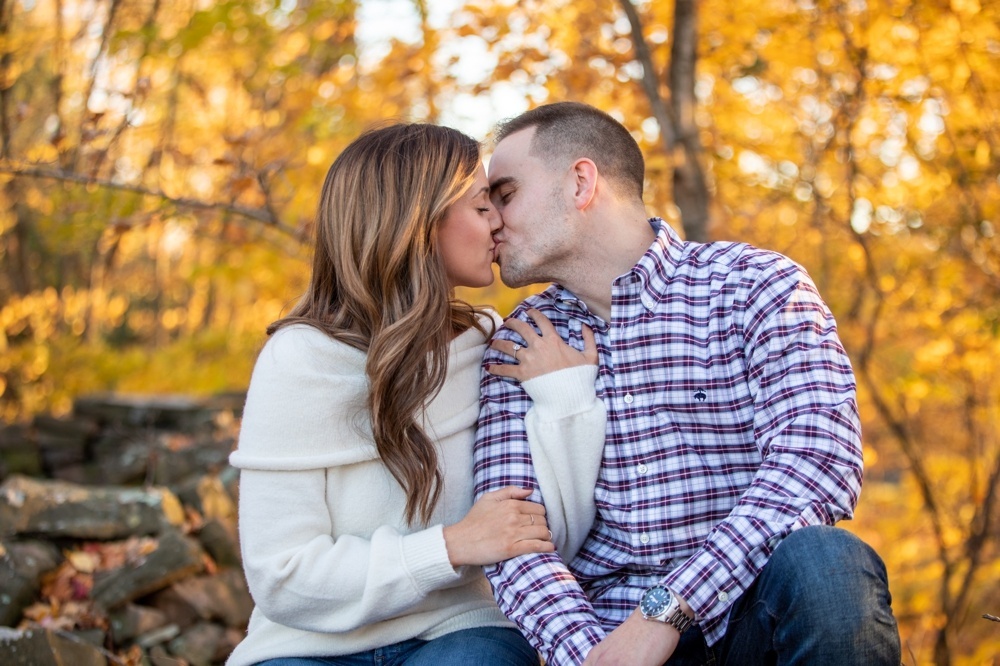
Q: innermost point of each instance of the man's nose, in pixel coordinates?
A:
(496, 221)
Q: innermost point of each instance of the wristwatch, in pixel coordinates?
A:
(657, 603)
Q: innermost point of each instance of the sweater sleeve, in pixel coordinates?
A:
(301, 576)
(565, 427)
(302, 420)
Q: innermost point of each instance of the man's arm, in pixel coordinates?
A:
(807, 428)
(537, 591)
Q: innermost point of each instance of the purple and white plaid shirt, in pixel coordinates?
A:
(731, 421)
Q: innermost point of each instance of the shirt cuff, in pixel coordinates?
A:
(573, 649)
(563, 392)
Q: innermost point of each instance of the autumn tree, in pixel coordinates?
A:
(152, 158)
(159, 166)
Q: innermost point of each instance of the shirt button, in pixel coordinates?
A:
(628, 398)
(644, 538)
(642, 468)
(723, 597)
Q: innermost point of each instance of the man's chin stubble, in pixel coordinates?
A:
(515, 279)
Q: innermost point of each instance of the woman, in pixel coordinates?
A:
(361, 543)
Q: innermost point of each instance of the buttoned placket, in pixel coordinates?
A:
(629, 292)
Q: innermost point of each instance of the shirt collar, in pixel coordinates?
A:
(653, 269)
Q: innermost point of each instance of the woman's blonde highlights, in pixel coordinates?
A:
(379, 285)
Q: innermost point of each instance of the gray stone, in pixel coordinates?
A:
(44, 647)
(159, 656)
(133, 620)
(95, 637)
(18, 453)
(175, 557)
(171, 412)
(176, 608)
(60, 509)
(220, 540)
(181, 467)
(58, 451)
(14, 435)
(231, 401)
(158, 636)
(77, 429)
(222, 597)
(199, 644)
(21, 567)
(124, 457)
(229, 641)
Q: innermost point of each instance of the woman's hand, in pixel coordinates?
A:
(499, 526)
(543, 353)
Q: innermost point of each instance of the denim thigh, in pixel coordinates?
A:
(482, 646)
(822, 599)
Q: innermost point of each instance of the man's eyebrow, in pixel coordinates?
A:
(500, 182)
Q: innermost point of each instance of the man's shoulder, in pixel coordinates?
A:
(545, 301)
(736, 259)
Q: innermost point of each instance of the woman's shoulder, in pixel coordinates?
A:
(472, 341)
(489, 317)
(305, 405)
(304, 343)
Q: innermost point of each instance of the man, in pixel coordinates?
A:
(732, 441)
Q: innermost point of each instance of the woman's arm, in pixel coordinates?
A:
(565, 424)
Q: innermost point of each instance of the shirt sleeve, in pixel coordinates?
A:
(536, 591)
(807, 428)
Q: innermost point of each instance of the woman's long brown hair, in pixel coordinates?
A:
(378, 283)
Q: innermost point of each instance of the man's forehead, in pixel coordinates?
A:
(511, 151)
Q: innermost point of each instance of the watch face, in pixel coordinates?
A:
(654, 601)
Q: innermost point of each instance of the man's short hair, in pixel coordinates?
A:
(571, 130)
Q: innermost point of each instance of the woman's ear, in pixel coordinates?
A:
(584, 173)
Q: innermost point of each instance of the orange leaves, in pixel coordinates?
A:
(65, 590)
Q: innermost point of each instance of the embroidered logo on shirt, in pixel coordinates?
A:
(700, 395)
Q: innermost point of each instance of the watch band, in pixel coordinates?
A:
(677, 619)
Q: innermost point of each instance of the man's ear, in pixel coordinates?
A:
(584, 173)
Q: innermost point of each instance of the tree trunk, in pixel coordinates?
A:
(678, 129)
(690, 189)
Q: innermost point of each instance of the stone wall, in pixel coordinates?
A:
(118, 534)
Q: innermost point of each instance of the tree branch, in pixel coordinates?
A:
(650, 84)
(264, 215)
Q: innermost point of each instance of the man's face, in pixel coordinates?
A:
(528, 194)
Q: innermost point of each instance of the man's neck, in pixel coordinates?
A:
(615, 246)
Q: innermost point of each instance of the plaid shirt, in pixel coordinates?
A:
(731, 421)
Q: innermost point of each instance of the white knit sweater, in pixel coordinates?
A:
(332, 566)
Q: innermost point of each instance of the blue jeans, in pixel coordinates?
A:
(822, 600)
(484, 646)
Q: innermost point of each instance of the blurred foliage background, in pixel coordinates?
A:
(160, 165)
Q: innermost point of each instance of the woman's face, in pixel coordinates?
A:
(466, 236)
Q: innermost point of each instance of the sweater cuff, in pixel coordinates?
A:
(563, 392)
(426, 558)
